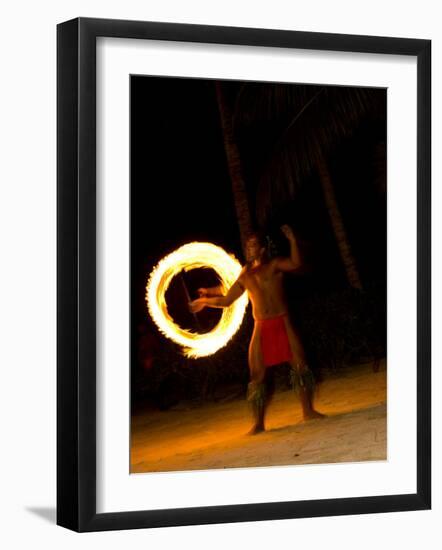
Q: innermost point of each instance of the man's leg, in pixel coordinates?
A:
(302, 377)
(304, 383)
(257, 394)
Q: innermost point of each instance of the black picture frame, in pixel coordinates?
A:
(76, 273)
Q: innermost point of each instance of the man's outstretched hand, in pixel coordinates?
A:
(197, 305)
(288, 232)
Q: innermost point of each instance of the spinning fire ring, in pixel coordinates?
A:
(187, 257)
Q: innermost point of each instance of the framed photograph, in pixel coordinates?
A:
(243, 274)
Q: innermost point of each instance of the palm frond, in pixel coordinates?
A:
(294, 127)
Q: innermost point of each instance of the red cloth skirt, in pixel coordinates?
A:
(275, 345)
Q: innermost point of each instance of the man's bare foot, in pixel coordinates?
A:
(312, 414)
(256, 429)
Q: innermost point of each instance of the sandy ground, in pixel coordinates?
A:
(213, 436)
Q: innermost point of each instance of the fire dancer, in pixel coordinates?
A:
(274, 339)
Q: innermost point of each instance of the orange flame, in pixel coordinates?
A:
(191, 256)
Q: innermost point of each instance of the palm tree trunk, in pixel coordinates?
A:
(234, 165)
(338, 225)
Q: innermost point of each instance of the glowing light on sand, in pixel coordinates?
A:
(187, 257)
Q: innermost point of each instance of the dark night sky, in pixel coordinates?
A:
(180, 185)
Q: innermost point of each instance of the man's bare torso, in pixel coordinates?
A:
(265, 289)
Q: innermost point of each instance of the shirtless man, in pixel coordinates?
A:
(274, 339)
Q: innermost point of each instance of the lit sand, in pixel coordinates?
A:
(213, 436)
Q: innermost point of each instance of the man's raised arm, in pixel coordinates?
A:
(294, 261)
